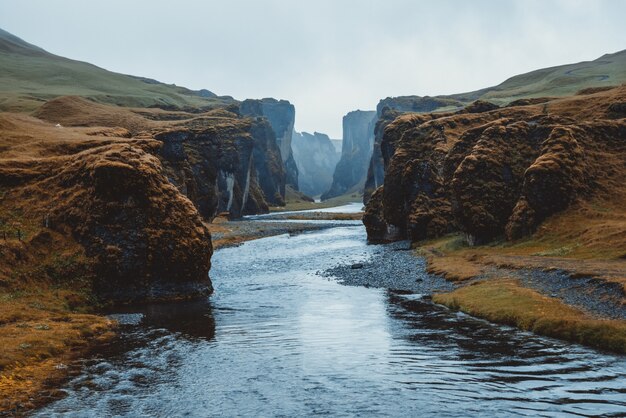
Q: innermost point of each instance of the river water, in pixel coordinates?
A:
(277, 339)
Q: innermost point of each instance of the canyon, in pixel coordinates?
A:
(113, 189)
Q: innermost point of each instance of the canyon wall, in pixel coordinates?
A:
(493, 172)
(386, 111)
(316, 158)
(224, 163)
(134, 189)
(139, 237)
(356, 151)
(281, 115)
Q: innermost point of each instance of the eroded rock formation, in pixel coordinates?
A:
(386, 111)
(281, 115)
(134, 188)
(358, 140)
(316, 157)
(225, 164)
(144, 239)
(493, 173)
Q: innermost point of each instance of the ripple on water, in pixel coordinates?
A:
(278, 340)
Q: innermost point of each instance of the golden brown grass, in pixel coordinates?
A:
(588, 239)
(43, 324)
(506, 302)
(448, 257)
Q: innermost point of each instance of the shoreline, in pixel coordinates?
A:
(551, 302)
(499, 293)
(43, 339)
(227, 233)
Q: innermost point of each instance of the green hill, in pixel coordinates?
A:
(30, 75)
(563, 80)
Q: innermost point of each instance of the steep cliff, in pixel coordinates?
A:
(316, 158)
(141, 237)
(281, 115)
(524, 89)
(219, 160)
(216, 161)
(356, 151)
(386, 111)
(497, 173)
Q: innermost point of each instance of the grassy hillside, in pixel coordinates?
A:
(560, 81)
(29, 76)
(563, 80)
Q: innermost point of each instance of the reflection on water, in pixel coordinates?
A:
(277, 339)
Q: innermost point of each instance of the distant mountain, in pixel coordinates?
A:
(30, 75)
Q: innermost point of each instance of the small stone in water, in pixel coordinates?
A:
(357, 266)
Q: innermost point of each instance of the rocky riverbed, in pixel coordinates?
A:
(395, 266)
(392, 266)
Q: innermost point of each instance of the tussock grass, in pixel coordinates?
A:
(506, 302)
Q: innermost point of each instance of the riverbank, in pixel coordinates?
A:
(307, 346)
(46, 316)
(551, 296)
(227, 233)
(41, 336)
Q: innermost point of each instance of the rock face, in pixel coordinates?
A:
(499, 173)
(281, 115)
(316, 158)
(224, 164)
(219, 160)
(134, 188)
(358, 140)
(387, 110)
(143, 238)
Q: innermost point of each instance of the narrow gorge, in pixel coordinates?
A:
(170, 251)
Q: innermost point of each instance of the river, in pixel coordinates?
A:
(278, 339)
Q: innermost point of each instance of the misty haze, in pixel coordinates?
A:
(302, 208)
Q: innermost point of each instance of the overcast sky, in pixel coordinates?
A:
(327, 57)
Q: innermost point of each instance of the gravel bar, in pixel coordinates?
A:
(393, 266)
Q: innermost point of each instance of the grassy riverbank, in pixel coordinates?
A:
(505, 301)
(45, 319)
(575, 244)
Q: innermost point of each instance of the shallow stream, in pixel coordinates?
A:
(279, 339)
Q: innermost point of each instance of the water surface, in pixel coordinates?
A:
(276, 339)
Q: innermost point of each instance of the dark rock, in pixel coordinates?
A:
(358, 139)
(217, 162)
(281, 115)
(497, 173)
(316, 158)
(357, 266)
(479, 106)
(145, 240)
(386, 112)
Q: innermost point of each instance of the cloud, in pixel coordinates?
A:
(328, 57)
